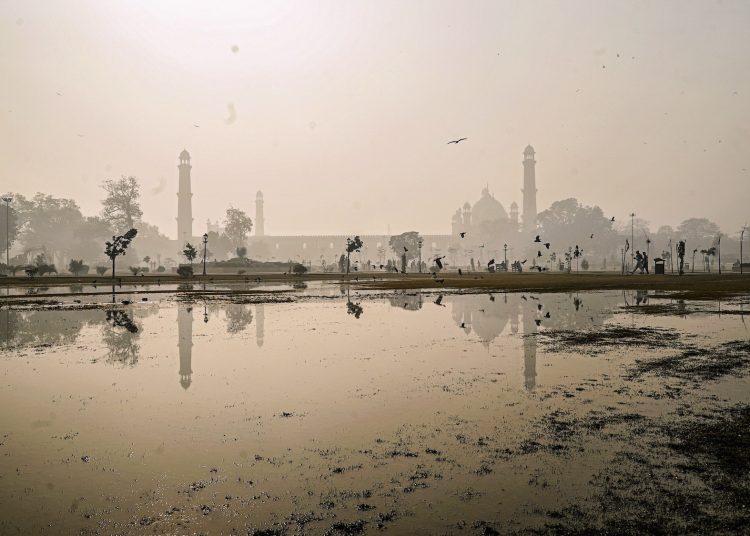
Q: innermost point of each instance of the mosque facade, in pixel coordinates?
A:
(480, 232)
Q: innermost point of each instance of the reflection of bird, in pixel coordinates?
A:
(405, 248)
(457, 141)
(546, 245)
(538, 253)
(492, 298)
(539, 306)
(533, 297)
(524, 297)
(538, 269)
(463, 234)
(537, 239)
(126, 302)
(524, 261)
(592, 235)
(440, 281)
(463, 325)
(439, 301)
(547, 315)
(538, 321)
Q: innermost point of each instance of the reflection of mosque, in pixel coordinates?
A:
(185, 338)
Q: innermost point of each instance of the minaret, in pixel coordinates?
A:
(529, 190)
(185, 344)
(259, 225)
(467, 216)
(184, 202)
(514, 214)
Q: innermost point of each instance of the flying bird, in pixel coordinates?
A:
(438, 261)
(537, 239)
(196, 126)
(524, 298)
(613, 218)
(524, 261)
(592, 235)
(457, 141)
(546, 245)
(406, 249)
(439, 301)
(463, 234)
(538, 321)
(490, 262)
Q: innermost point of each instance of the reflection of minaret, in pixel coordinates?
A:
(260, 229)
(259, 319)
(529, 347)
(184, 202)
(185, 343)
(529, 190)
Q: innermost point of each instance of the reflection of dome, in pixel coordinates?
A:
(488, 209)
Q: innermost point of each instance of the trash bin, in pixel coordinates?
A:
(659, 266)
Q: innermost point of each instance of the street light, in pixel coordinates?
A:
(505, 255)
(742, 237)
(632, 239)
(7, 200)
(205, 248)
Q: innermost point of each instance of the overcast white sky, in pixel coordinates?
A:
(343, 109)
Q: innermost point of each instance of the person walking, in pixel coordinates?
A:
(638, 262)
(644, 263)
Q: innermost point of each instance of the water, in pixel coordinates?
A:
(186, 415)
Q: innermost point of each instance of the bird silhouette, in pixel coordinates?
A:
(613, 218)
(538, 253)
(490, 262)
(537, 239)
(405, 248)
(441, 281)
(547, 315)
(492, 298)
(126, 302)
(539, 307)
(546, 245)
(524, 261)
(537, 321)
(438, 261)
(439, 301)
(463, 325)
(592, 235)
(538, 269)
(460, 272)
(463, 234)
(457, 141)
(524, 298)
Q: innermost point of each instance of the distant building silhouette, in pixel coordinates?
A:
(184, 202)
(185, 344)
(260, 319)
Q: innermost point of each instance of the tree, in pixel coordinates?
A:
(135, 269)
(681, 256)
(237, 226)
(299, 269)
(101, 270)
(352, 245)
(76, 266)
(241, 252)
(697, 230)
(118, 245)
(190, 253)
(568, 221)
(405, 244)
(121, 207)
(342, 263)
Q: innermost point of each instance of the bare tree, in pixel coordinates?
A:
(121, 207)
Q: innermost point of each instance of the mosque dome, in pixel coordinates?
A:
(184, 155)
(488, 209)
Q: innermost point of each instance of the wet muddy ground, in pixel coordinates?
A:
(323, 410)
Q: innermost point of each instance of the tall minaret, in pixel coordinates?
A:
(184, 202)
(259, 226)
(185, 344)
(529, 190)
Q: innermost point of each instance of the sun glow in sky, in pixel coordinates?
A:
(339, 111)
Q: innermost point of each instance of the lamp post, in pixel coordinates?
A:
(505, 256)
(7, 200)
(742, 237)
(632, 239)
(205, 248)
(419, 247)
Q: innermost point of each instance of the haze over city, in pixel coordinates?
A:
(340, 111)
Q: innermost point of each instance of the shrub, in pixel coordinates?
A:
(240, 272)
(299, 269)
(185, 270)
(161, 269)
(101, 270)
(135, 269)
(585, 264)
(31, 271)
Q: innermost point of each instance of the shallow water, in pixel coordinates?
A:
(189, 415)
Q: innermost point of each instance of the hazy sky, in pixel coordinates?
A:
(342, 110)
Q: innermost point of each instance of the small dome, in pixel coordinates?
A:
(488, 209)
(467, 206)
(259, 195)
(529, 150)
(184, 155)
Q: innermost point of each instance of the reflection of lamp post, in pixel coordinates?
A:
(7, 200)
(205, 248)
(505, 255)
(205, 313)
(419, 245)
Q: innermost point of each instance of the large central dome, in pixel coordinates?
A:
(488, 209)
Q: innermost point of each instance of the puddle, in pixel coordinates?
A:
(341, 412)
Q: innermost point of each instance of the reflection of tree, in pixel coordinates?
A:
(411, 301)
(121, 338)
(238, 317)
(37, 328)
(353, 308)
